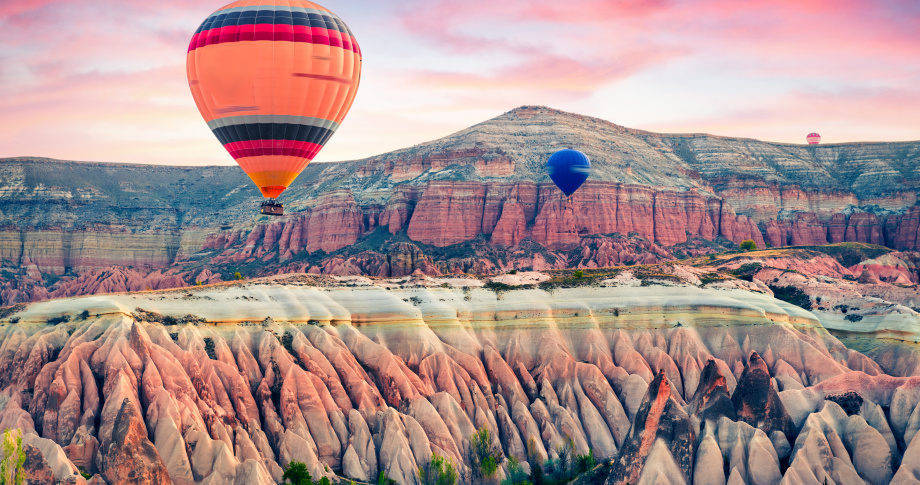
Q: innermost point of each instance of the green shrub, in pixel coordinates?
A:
(791, 294)
(849, 401)
(83, 315)
(747, 271)
(58, 320)
(497, 286)
(584, 463)
(485, 456)
(383, 479)
(209, 348)
(747, 245)
(438, 471)
(567, 466)
(516, 475)
(514, 271)
(578, 273)
(488, 466)
(296, 472)
(237, 275)
(14, 456)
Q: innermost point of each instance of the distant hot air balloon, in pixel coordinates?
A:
(568, 169)
(273, 79)
(813, 138)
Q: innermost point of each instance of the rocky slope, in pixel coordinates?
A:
(476, 201)
(670, 376)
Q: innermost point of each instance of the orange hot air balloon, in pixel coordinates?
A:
(273, 79)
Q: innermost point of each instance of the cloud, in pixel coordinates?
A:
(848, 115)
(106, 79)
(549, 74)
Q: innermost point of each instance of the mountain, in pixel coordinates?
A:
(475, 201)
(408, 300)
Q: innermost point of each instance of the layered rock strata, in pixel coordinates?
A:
(485, 186)
(227, 384)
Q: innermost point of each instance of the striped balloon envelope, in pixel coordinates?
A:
(813, 138)
(273, 79)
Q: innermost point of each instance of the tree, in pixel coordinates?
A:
(516, 474)
(584, 463)
(535, 460)
(238, 275)
(485, 456)
(747, 245)
(438, 471)
(14, 456)
(297, 473)
(579, 273)
(566, 453)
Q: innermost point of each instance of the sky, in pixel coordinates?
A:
(104, 80)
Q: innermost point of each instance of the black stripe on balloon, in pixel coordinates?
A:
(272, 131)
(273, 17)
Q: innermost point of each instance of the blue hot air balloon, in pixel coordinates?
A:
(569, 169)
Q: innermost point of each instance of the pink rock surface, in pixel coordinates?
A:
(237, 403)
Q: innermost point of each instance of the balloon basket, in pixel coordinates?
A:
(271, 207)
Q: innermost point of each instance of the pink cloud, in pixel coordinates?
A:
(882, 114)
(79, 69)
(550, 73)
(580, 46)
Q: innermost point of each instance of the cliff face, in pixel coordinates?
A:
(353, 377)
(54, 251)
(481, 194)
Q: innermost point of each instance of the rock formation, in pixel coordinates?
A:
(757, 403)
(660, 442)
(476, 201)
(672, 380)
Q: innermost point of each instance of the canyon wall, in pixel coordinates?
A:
(498, 219)
(445, 213)
(54, 251)
(477, 200)
(449, 213)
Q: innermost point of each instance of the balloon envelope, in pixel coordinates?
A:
(813, 138)
(273, 79)
(568, 169)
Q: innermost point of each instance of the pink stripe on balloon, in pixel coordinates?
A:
(274, 32)
(258, 148)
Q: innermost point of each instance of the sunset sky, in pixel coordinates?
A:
(105, 80)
